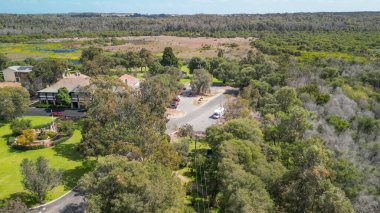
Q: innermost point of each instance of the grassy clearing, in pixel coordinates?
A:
(21, 51)
(63, 156)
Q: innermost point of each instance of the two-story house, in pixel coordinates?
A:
(73, 83)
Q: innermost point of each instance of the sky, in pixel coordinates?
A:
(187, 6)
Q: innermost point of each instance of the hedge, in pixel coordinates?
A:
(61, 140)
(24, 148)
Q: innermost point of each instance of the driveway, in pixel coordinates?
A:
(32, 111)
(72, 202)
(199, 116)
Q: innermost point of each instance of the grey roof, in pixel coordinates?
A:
(21, 68)
(72, 83)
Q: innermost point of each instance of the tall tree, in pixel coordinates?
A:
(169, 58)
(202, 81)
(198, 63)
(120, 185)
(63, 97)
(38, 177)
(90, 53)
(46, 72)
(14, 102)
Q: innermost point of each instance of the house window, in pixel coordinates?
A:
(17, 79)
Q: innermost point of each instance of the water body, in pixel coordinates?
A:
(59, 50)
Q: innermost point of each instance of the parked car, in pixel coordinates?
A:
(82, 110)
(174, 105)
(190, 94)
(57, 114)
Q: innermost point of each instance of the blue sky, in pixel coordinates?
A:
(186, 6)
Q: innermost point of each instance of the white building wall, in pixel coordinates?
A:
(9, 75)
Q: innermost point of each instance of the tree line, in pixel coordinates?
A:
(69, 25)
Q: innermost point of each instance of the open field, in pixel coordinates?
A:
(63, 156)
(186, 47)
(21, 51)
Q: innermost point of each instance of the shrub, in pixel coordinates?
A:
(11, 140)
(24, 148)
(185, 131)
(42, 135)
(18, 125)
(66, 127)
(61, 140)
(26, 138)
(322, 98)
(42, 106)
(51, 134)
(339, 123)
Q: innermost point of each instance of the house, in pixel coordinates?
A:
(16, 73)
(130, 81)
(73, 83)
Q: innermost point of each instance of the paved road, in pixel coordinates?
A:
(32, 111)
(199, 116)
(73, 202)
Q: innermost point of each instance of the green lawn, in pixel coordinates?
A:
(63, 156)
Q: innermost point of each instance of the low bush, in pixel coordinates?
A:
(19, 125)
(339, 123)
(43, 106)
(11, 140)
(61, 140)
(24, 148)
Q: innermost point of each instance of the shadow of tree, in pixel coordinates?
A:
(74, 208)
(25, 197)
(69, 151)
(71, 177)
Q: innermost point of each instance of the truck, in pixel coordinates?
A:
(218, 113)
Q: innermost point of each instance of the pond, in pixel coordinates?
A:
(70, 50)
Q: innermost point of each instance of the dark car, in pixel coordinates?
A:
(82, 110)
(174, 105)
(57, 114)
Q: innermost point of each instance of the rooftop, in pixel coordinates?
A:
(71, 82)
(21, 68)
(130, 80)
(10, 84)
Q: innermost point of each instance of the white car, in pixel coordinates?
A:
(218, 113)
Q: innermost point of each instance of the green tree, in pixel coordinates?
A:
(18, 125)
(3, 63)
(46, 72)
(90, 53)
(99, 65)
(63, 97)
(226, 71)
(66, 127)
(38, 177)
(202, 81)
(14, 206)
(168, 58)
(120, 185)
(286, 97)
(14, 102)
(339, 123)
(290, 126)
(196, 63)
(158, 91)
(308, 188)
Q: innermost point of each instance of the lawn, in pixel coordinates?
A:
(63, 156)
